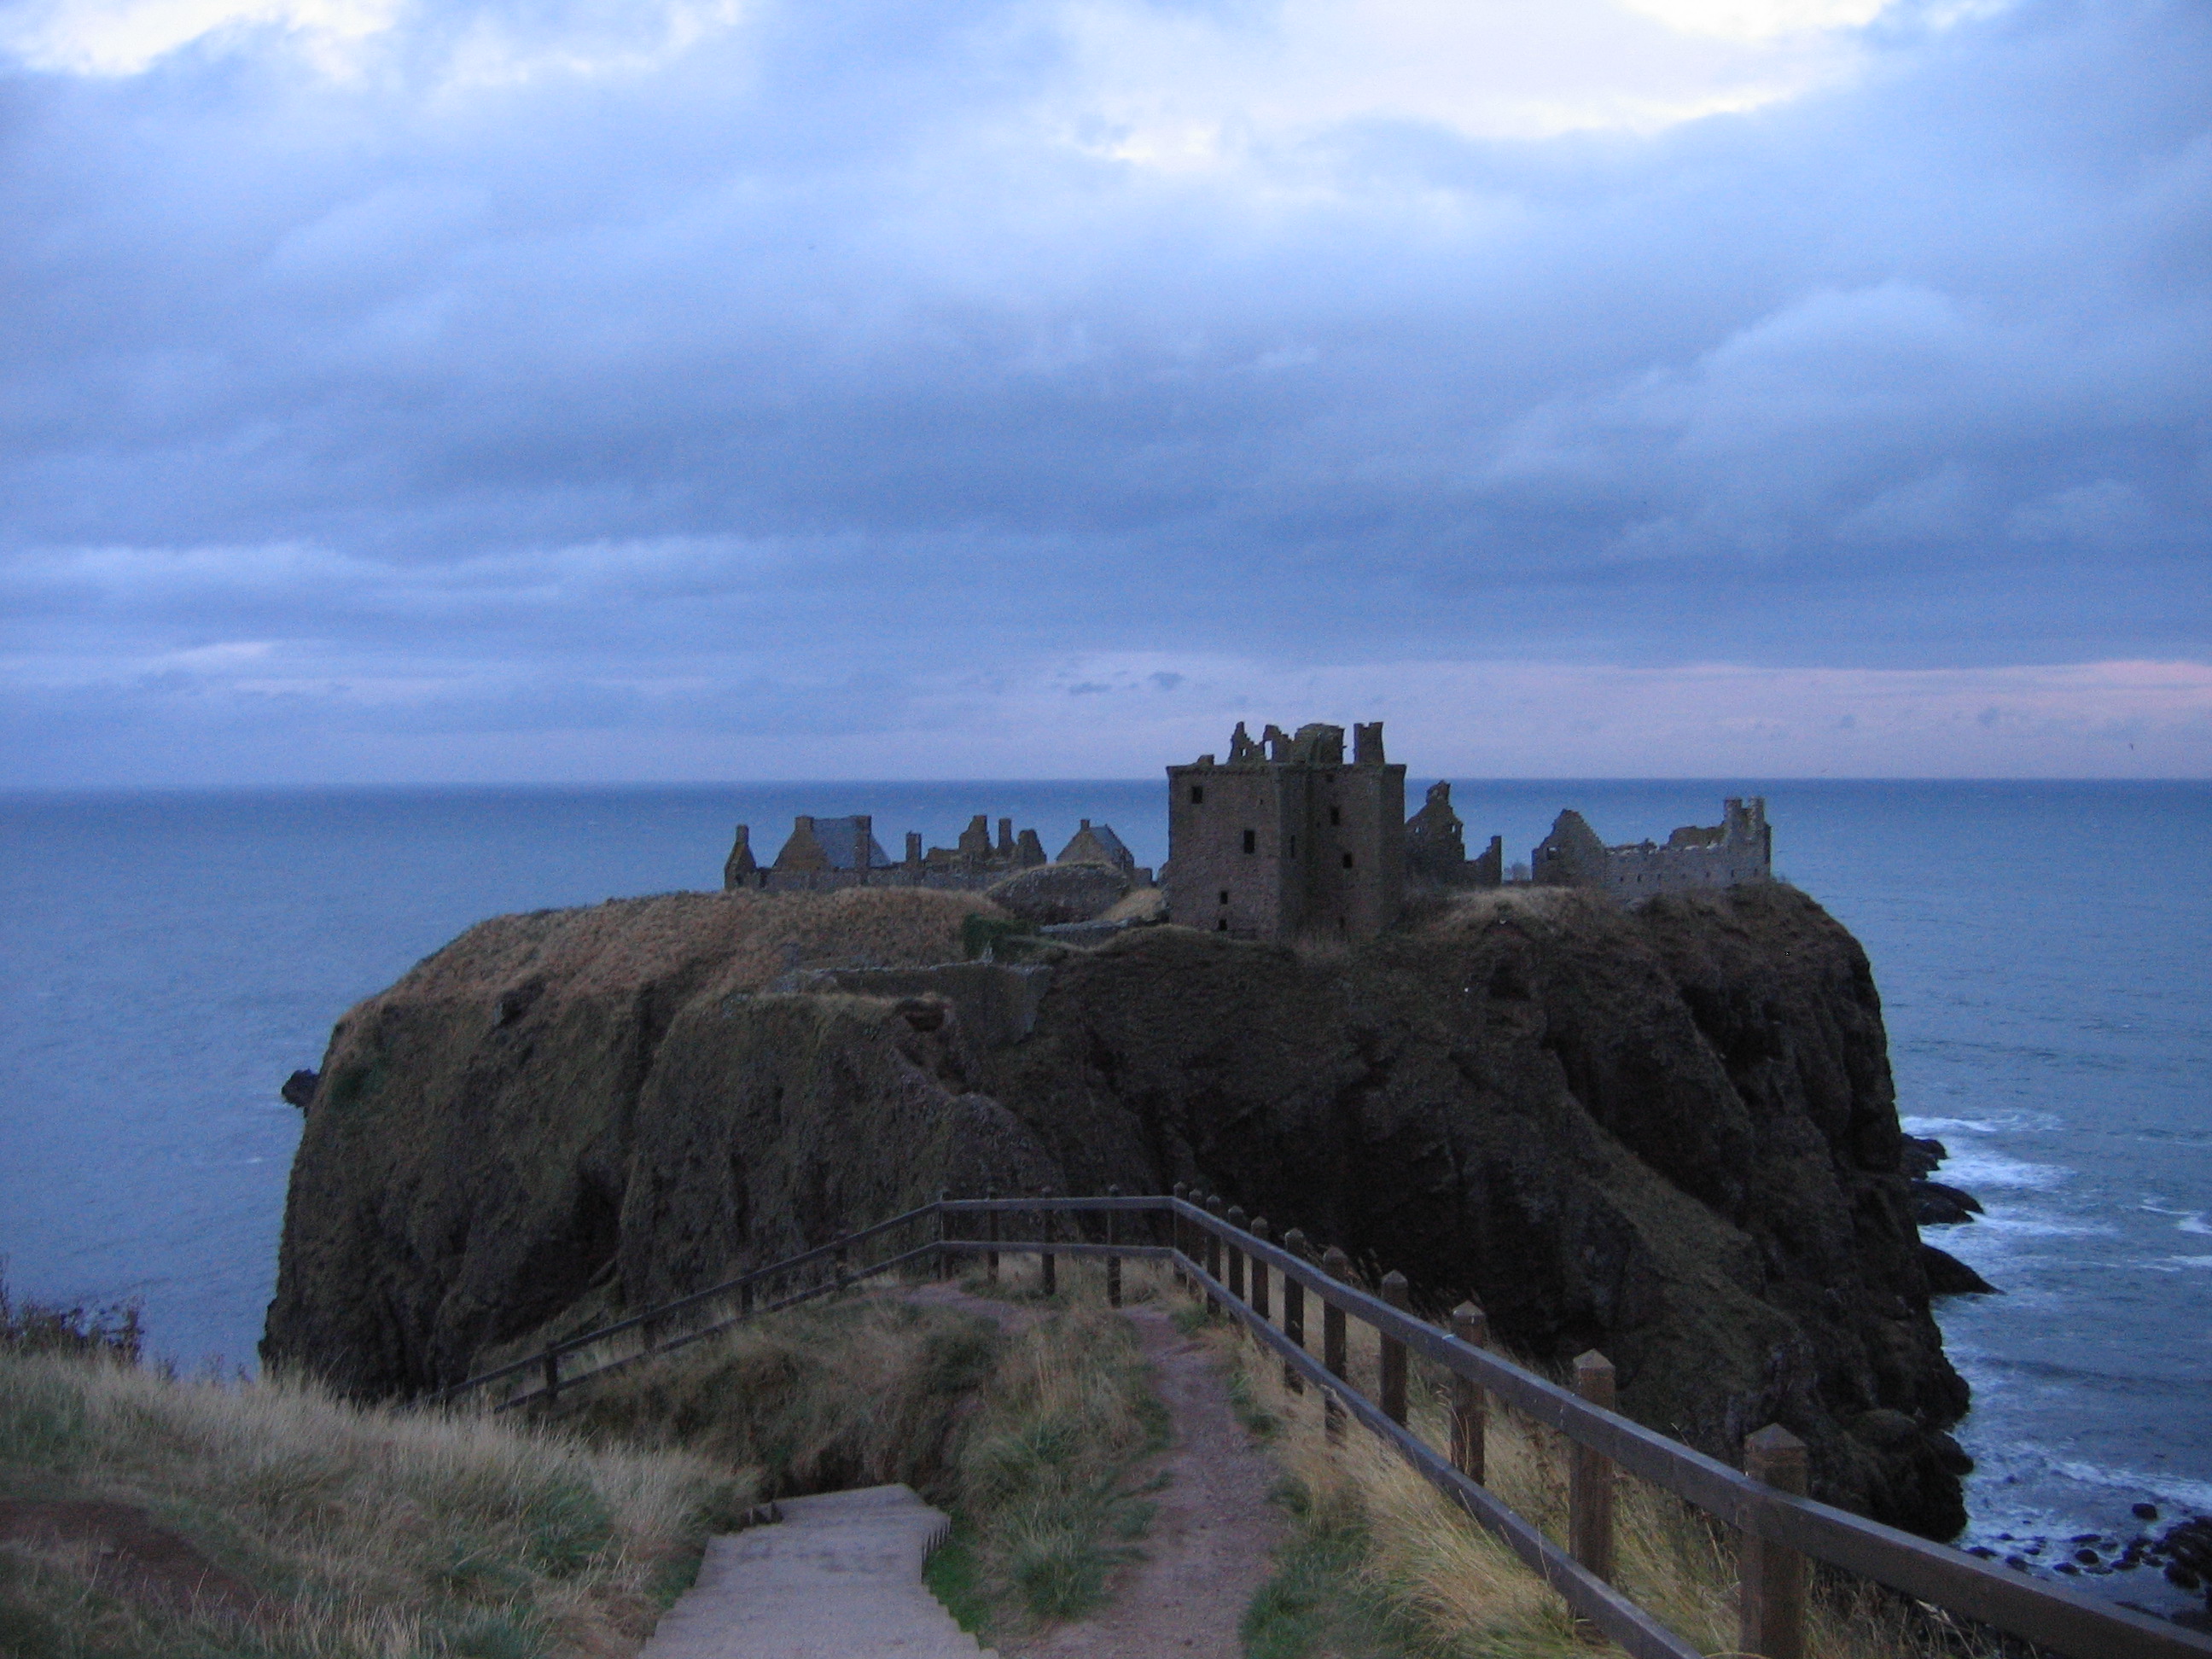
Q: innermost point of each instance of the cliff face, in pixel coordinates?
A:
(1668, 1133)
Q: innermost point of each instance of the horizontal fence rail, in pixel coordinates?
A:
(1230, 1266)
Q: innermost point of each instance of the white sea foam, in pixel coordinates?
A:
(2179, 1263)
(2003, 1123)
(1978, 1169)
(2039, 1226)
(2188, 1221)
(2189, 1494)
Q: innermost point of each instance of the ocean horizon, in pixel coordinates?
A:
(173, 954)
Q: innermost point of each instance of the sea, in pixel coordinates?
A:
(167, 959)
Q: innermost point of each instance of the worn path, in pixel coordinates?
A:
(840, 1576)
(1212, 1538)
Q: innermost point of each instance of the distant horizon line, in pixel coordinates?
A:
(550, 787)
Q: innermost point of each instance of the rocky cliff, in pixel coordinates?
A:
(1668, 1132)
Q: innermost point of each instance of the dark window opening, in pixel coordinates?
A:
(1198, 795)
(1222, 925)
(1251, 841)
(1225, 896)
(1294, 846)
(1347, 860)
(1336, 815)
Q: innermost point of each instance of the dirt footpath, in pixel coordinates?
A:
(1214, 1537)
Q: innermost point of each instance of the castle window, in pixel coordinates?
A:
(1198, 795)
(1222, 925)
(1224, 896)
(1347, 860)
(1336, 815)
(1251, 841)
(1294, 846)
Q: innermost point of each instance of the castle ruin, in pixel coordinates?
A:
(824, 854)
(1287, 837)
(1739, 848)
(1435, 848)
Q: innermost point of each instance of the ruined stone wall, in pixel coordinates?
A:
(1738, 850)
(941, 878)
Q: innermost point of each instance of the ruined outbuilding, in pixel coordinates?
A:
(1097, 843)
(1739, 848)
(823, 855)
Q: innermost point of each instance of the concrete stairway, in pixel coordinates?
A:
(838, 1578)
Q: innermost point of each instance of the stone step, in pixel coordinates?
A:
(839, 1576)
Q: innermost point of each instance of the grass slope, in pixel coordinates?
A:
(148, 1516)
(1380, 1564)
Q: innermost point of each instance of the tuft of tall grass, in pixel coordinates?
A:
(364, 1531)
(42, 1327)
(1445, 1586)
(1043, 1469)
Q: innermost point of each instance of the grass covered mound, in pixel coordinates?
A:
(143, 1516)
(1029, 1436)
(820, 1398)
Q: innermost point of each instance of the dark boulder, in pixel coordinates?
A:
(1918, 1155)
(1934, 1204)
(1949, 1276)
(300, 1088)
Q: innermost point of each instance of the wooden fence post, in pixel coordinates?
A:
(1260, 1300)
(1471, 1326)
(1771, 1595)
(1049, 1278)
(552, 1375)
(991, 1233)
(1176, 1230)
(1589, 1492)
(1113, 1262)
(1338, 1266)
(1393, 1352)
(838, 1266)
(1213, 1254)
(1294, 1309)
(1237, 1218)
(745, 1300)
(944, 1232)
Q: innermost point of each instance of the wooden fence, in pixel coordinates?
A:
(1236, 1264)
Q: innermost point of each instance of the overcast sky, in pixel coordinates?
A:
(396, 390)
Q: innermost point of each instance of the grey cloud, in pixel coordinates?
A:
(807, 351)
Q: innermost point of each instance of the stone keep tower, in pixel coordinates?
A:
(1285, 838)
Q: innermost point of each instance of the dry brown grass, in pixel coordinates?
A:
(743, 939)
(365, 1531)
(851, 1393)
(1462, 1591)
(1043, 1494)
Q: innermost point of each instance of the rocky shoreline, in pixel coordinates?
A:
(1936, 1205)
